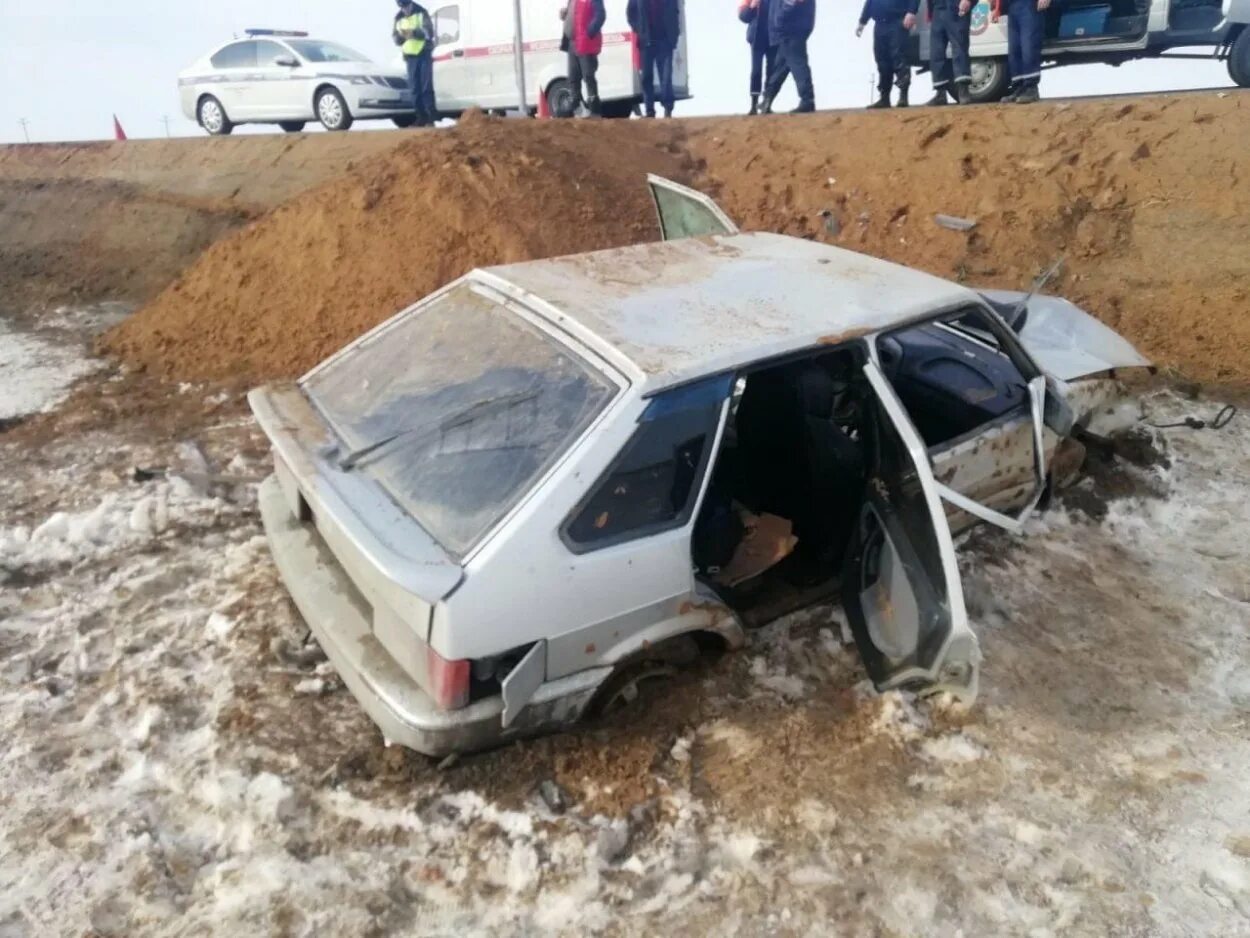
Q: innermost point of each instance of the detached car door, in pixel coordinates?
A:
(901, 588)
(685, 213)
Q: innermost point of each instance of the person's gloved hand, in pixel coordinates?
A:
(859, 30)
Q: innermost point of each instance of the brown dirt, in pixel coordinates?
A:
(285, 292)
(118, 221)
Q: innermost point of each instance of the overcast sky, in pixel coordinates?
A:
(68, 68)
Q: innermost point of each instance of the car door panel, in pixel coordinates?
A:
(901, 590)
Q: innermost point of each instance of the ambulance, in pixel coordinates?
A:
(475, 61)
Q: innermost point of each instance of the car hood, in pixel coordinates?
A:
(1065, 340)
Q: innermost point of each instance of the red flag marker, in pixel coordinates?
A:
(118, 133)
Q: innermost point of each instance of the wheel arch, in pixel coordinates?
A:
(326, 84)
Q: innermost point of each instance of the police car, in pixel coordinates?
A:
(288, 79)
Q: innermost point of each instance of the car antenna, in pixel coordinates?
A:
(1046, 277)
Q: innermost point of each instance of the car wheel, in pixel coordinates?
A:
(560, 98)
(638, 678)
(989, 80)
(291, 127)
(403, 123)
(1239, 60)
(212, 117)
(332, 110)
(637, 682)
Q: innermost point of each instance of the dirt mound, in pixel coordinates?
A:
(1146, 201)
(277, 297)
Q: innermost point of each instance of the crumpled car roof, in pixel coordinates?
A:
(681, 310)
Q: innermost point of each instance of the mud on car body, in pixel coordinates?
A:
(515, 500)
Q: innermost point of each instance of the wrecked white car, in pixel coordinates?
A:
(516, 501)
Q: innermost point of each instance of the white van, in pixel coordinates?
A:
(474, 63)
(1107, 31)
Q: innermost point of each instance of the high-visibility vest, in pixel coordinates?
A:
(412, 46)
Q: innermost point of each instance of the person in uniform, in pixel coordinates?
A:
(891, 22)
(790, 25)
(1026, 27)
(950, 35)
(413, 32)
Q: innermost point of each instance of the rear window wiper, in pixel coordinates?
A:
(468, 415)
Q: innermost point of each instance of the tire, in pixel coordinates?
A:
(1239, 60)
(560, 98)
(332, 110)
(291, 127)
(636, 679)
(212, 117)
(989, 80)
(403, 123)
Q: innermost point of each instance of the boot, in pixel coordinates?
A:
(939, 99)
(1010, 96)
(882, 102)
(805, 107)
(1028, 95)
(755, 105)
(767, 106)
(962, 93)
(903, 99)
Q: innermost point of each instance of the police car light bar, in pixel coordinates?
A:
(275, 32)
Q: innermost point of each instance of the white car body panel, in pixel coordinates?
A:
(1068, 342)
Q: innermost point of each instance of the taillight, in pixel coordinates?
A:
(446, 681)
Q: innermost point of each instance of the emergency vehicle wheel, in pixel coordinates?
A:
(332, 110)
(291, 127)
(989, 80)
(1239, 60)
(560, 98)
(212, 117)
(403, 123)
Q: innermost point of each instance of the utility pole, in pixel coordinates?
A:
(165, 121)
(25, 127)
(518, 51)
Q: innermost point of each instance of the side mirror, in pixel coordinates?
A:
(286, 61)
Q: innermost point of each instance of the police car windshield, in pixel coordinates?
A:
(314, 50)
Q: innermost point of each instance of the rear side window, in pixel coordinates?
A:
(447, 24)
(653, 484)
(236, 55)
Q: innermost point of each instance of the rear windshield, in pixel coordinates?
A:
(457, 411)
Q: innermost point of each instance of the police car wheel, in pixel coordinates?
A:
(291, 127)
(332, 110)
(212, 117)
(1239, 60)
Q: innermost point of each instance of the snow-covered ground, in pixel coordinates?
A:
(177, 761)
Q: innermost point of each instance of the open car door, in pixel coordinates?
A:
(902, 591)
(685, 213)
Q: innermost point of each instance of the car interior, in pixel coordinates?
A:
(804, 434)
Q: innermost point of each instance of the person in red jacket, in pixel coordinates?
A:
(583, 38)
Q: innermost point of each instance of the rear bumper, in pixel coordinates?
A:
(340, 619)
